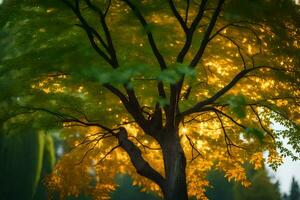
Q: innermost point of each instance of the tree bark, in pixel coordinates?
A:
(175, 165)
(141, 165)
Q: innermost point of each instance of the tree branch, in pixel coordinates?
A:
(91, 33)
(193, 149)
(131, 103)
(229, 143)
(187, 11)
(229, 117)
(108, 153)
(145, 25)
(190, 31)
(176, 89)
(222, 91)
(91, 149)
(107, 8)
(141, 165)
(181, 21)
(68, 118)
(102, 15)
(131, 106)
(237, 46)
(260, 122)
(207, 34)
(156, 52)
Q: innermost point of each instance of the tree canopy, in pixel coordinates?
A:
(162, 90)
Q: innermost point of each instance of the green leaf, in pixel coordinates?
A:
(173, 74)
(169, 76)
(184, 69)
(163, 101)
(120, 75)
(238, 105)
(256, 133)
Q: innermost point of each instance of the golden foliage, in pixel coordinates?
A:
(82, 170)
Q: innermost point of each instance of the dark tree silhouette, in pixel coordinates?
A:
(295, 190)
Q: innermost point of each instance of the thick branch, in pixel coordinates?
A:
(131, 103)
(176, 89)
(155, 50)
(131, 106)
(141, 165)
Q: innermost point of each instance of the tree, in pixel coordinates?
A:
(176, 81)
(220, 187)
(285, 196)
(295, 190)
(261, 188)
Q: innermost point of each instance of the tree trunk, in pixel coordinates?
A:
(175, 163)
